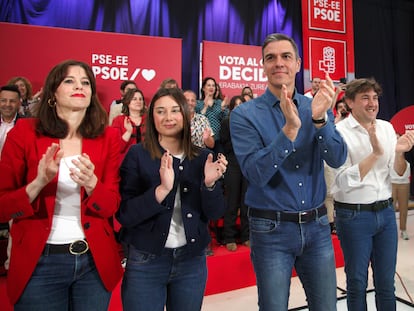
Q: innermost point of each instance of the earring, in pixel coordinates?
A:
(51, 105)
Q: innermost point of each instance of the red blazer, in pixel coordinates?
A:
(118, 123)
(32, 221)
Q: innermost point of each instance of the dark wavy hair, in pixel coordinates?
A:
(203, 83)
(233, 100)
(50, 124)
(151, 142)
(362, 85)
(128, 97)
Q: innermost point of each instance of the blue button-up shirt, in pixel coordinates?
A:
(283, 175)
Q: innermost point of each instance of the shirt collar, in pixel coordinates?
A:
(13, 121)
(276, 101)
(353, 122)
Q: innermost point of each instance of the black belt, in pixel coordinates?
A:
(372, 207)
(299, 217)
(75, 248)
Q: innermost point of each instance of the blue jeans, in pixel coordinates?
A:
(175, 280)
(64, 282)
(369, 237)
(279, 246)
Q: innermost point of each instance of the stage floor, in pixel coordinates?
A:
(245, 299)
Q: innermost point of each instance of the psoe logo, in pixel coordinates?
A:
(148, 74)
(117, 67)
(123, 73)
(328, 62)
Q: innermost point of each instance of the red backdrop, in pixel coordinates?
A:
(233, 66)
(403, 120)
(31, 51)
(328, 39)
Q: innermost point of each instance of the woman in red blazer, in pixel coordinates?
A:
(131, 124)
(60, 186)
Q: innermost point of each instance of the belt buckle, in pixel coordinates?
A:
(78, 247)
(300, 217)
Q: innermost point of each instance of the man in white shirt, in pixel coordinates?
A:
(9, 108)
(315, 87)
(365, 217)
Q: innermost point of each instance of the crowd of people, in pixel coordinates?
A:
(80, 183)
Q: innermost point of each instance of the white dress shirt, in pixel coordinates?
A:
(376, 185)
(5, 127)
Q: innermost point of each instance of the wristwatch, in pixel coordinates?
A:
(320, 121)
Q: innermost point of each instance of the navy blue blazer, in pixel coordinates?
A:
(145, 222)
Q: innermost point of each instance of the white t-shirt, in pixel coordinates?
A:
(5, 127)
(176, 234)
(66, 223)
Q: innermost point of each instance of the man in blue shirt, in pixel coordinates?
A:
(281, 140)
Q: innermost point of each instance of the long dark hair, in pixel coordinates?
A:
(96, 118)
(151, 135)
(128, 97)
(203, 83)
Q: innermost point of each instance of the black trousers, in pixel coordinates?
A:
(235, 188)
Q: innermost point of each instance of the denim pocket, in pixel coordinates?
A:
(344, 214)
(262, 224)
(323, 220)
(138, 257)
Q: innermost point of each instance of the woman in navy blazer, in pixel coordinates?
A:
(170, 189)
(60, 185)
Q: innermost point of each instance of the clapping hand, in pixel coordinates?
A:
(214, 170)
(290, 111)
(166, 176)
(167, 171)
(128, 125)
(405, 142)
(49, 164)
(324, 98)
(206, 133)
(84, 173)
(377, 148)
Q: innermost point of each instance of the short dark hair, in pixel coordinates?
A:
(167, 81)
(125, 83)
(50, 124)
(233, 100)
(361, 85)
(341, 101)
(11, 88)
(280, 37)
(151, 142)
(247, 88)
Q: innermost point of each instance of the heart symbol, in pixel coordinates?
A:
(148, 74)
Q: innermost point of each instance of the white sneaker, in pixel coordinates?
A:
(404, 235)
